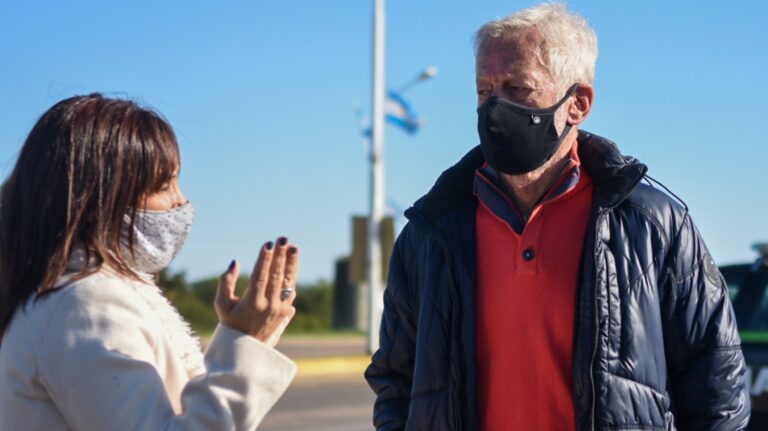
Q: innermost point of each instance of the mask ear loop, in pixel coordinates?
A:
(568, 94)
(568, 126)
(535, 118)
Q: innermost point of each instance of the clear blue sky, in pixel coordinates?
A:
(262, 96)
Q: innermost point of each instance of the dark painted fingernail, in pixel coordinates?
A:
(282, 240)
(269, 245)
(231, 265)
(292, 250)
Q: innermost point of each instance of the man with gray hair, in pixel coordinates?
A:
(540, 285)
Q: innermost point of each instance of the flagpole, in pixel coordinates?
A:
(376, 301)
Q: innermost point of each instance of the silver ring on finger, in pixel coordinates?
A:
(286, 293)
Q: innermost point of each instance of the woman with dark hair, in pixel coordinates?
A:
(91, 211)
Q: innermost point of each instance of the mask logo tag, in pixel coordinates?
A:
(536, 119)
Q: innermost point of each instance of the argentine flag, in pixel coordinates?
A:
(398, 112)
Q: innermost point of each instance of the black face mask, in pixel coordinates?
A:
(517, 139)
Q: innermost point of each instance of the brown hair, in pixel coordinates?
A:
(87, 163)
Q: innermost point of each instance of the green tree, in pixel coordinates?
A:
(167, 281)
(314, 302)
(314, 308)
(199, 313)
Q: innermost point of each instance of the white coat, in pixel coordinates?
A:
(107, 353)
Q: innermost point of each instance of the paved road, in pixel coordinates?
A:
(313, 347)
(342, 403)
(308, 346)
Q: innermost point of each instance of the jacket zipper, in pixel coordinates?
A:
(597, 326)
(596, 308)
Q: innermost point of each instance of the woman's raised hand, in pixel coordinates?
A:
(265, 309)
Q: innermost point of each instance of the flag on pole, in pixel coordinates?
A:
(399, 112)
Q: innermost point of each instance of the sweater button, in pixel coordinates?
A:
(528, 254)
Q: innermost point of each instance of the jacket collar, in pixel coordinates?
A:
(614, 177)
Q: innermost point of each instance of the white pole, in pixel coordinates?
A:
(377, 181)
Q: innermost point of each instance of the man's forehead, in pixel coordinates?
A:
(521, 48)
(521, 41)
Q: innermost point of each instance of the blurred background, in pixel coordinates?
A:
(271, 100)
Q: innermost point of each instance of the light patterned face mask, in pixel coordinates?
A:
(159, 236)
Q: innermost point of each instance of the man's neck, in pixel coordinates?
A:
(526, 190)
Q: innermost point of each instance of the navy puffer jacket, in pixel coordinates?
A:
(656, 344)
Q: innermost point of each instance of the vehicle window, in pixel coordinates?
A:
(734, 275)
(747, 288)
(760, 321)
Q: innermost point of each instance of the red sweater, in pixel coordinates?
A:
(526, 303)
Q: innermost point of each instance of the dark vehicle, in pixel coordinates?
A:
(747, 284)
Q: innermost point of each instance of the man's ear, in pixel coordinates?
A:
(582, 105)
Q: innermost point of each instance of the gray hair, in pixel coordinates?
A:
(570, 45)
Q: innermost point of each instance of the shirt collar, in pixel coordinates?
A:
(489, 189)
